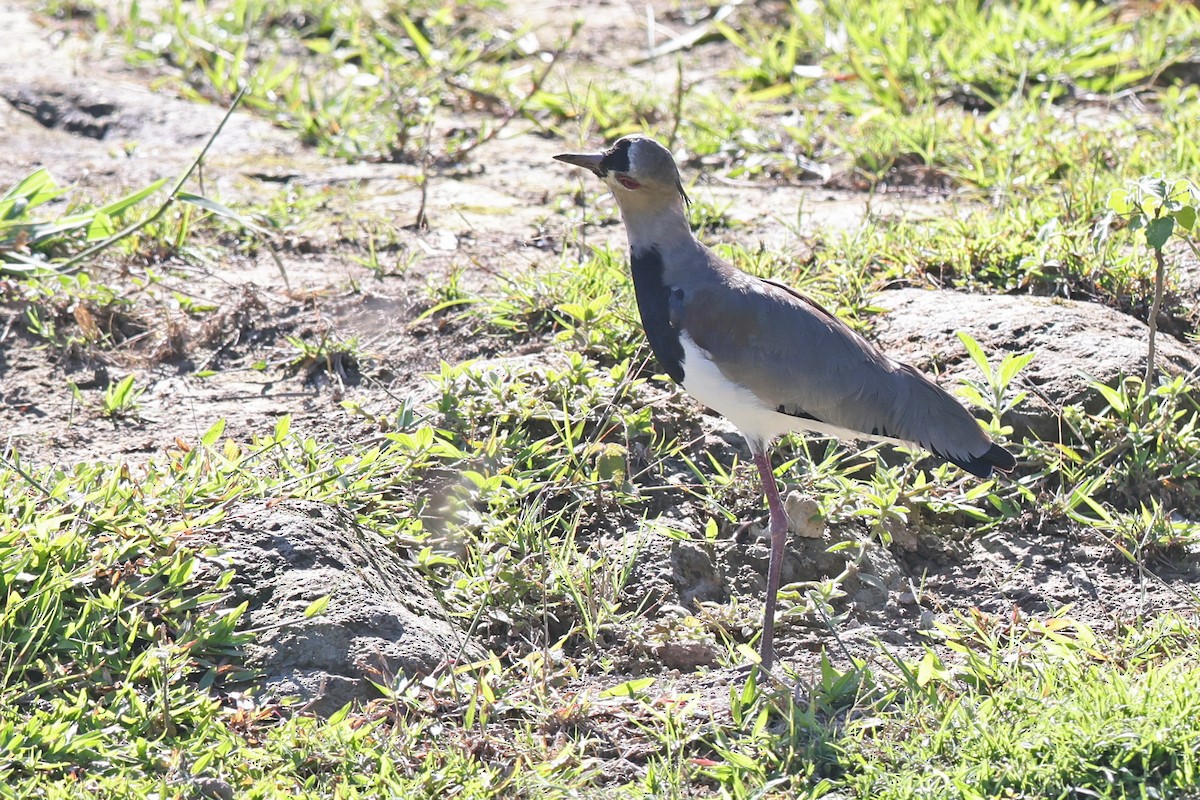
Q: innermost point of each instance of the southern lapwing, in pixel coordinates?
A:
(766, 357)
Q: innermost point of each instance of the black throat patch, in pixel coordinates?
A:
(654, 306)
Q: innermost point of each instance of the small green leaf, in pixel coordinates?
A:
(282, 427)
(931, 669)
(418, 39)
(1113, 397)
(1118, 201)
(976, 353)
(741, 760)
(201, 763)
(1012, 365)
(1151, 203)
(339, 716)
(1158, 231)
(179, 576)
(34, 189)
(211, 436)
(628, 688)
(1186, 217)
(972, 395)
(117, 207)
(221, 210)
(610, 464)
(101, 227)
(317, 606)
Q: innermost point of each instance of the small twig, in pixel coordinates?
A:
(1159, 278)
(677, 110)
(1191, 245)
(650, 26)
(74, 264)
(687, 40)
(422, 221)
(832, 628)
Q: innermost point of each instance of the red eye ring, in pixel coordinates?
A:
(628, 183)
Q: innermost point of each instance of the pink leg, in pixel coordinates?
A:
(779, 529)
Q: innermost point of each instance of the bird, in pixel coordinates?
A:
(766, 357)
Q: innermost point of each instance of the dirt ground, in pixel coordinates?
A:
(100, 126)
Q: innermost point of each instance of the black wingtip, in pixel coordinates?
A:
(982, 466)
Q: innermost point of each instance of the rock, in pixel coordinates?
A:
(212, 787)
(695, 572)
(686, 656)
(902, 536)
(804, 514)
(667, 572)
(879, 576)
(1076, 343)
(382, 620)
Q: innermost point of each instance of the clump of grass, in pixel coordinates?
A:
(103, 632)
(359, 84)
(28, 245)
(329, 355)
(1065, 718)
(1036, 707)
(1142, 445)
(121, 399)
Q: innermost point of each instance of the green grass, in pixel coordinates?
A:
(1067, 716)
(327, 72)
(122, 664)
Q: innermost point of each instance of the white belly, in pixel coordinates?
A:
(757, 421)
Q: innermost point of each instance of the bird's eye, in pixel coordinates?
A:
(628, 182)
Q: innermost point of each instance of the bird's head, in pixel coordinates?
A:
(638, 169)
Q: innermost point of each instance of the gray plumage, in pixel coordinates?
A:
(801, 360)
(766, 357)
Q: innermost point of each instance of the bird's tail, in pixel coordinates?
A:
(981, 466)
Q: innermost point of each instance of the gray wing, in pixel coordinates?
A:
(805, 362)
